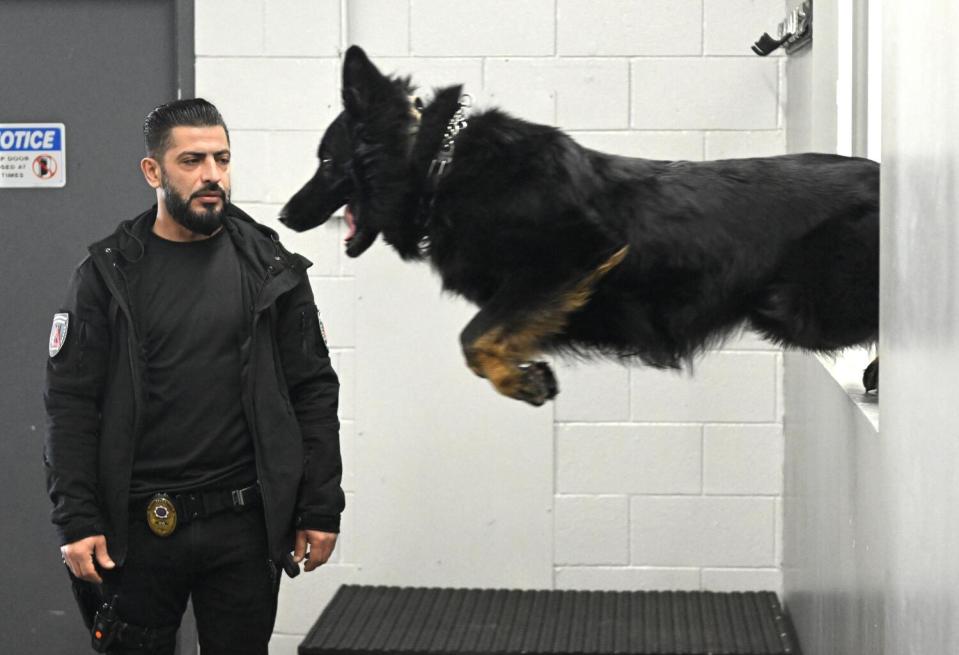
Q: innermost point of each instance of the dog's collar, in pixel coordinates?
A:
(438, 167)
(443, 160)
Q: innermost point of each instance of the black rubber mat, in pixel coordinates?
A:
(366, 619)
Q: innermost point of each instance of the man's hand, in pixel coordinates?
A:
(78, 556)
(321, 547)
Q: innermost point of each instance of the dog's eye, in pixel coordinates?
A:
(326, 162)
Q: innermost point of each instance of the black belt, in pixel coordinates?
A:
(201, 504)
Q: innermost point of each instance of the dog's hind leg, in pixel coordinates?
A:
(504, 337)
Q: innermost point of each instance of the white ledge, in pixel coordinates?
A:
(846, 369)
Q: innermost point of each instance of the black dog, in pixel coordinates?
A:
(568, 249)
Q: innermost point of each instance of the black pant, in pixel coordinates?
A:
(222, 562)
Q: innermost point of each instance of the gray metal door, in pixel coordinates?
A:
(97, 66)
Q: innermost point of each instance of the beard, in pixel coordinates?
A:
(207, 220)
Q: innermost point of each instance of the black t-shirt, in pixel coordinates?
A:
(189, 309)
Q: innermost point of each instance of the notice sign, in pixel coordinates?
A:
(32, 155)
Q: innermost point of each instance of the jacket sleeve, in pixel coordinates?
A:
(73, 392)
(314, 392)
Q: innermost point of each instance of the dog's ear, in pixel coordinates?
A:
(361, 81)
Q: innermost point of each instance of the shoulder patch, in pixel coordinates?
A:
(58, 333)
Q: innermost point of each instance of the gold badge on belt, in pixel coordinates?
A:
(161, 515)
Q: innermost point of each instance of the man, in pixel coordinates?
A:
(192, 429)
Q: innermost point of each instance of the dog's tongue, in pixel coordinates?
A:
(348, 215)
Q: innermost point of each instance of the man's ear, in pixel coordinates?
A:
(361, 80)
(150, 168)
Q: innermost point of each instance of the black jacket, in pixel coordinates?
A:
(95, 402)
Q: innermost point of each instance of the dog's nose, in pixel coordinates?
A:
(284, 217)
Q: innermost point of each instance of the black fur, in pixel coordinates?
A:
(786, 245)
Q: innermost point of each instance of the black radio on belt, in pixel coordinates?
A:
(106, 625)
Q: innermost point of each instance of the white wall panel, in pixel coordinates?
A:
(271, 93)
(228, 27)
(302, 28)
(629, 27)
(629, 459)
(589, 530)
(489, 28)
(585, 94)
(593, 391)
(382, 28)
(743, 459)
(723, 387)
(681, 93)
(708, 531)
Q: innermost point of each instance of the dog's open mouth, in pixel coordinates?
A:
(350, 222)
(358, 237)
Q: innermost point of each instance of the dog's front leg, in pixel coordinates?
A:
(504, 357)
(502, 340)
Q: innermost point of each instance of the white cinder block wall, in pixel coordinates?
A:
(660, 480)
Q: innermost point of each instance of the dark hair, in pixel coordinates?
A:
(160, 122)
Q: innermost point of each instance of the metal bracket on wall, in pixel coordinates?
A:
(794, 32)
